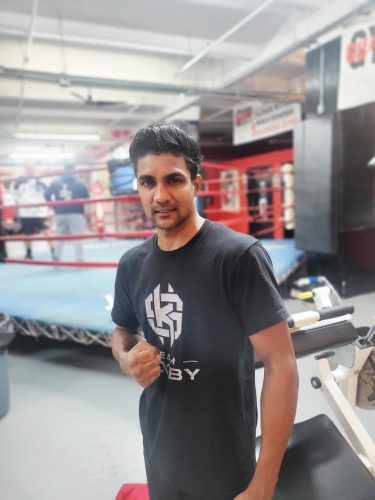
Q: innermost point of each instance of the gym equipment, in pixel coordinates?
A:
(322, 463)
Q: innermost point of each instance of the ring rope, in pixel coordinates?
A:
(128, 234)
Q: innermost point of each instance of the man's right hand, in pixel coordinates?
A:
(142, 363)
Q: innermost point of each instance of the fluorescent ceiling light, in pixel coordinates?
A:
(58, 137)
(35, 155)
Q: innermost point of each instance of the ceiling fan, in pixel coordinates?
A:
(89, 101)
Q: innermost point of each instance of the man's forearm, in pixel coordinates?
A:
(136, 357)
(123, 341)
(278, 407)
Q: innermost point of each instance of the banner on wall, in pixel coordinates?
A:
(357, 65)
(253, 122)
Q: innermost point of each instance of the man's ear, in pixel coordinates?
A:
(197, 183)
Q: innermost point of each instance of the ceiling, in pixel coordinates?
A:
(98, 71)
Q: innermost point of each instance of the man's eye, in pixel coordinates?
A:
(146, 182)
(176, 180)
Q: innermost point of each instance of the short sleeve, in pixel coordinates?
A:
(257, 297)
(123, 311)
(85, 191)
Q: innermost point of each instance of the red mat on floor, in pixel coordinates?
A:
(133, 492)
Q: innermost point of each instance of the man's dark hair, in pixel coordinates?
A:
(166, 138)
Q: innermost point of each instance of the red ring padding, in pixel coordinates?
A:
(133, 492)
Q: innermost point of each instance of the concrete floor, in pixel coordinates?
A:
(72, 431)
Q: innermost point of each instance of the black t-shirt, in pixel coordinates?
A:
(198, 305)
(67, 188)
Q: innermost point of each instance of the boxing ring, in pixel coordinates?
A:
(74, 303)
(72, 300)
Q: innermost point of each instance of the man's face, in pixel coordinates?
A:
(166, 190)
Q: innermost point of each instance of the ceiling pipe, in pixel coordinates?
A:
(224, 36)
(31, 31)
(65, 80)
(218, 113)
(26, 58)
(242, 51)
(96, 42)
(304, 32)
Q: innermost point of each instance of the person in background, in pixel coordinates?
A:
(34, 220)
(70, 218)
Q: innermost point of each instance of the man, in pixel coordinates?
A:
(34, 220)
(70, 219)
(200, 291)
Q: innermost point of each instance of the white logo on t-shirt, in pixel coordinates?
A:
(164, 313)
(65, 193)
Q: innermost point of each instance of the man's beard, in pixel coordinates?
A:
(175, 220)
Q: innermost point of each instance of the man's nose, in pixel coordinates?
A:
(161, 193)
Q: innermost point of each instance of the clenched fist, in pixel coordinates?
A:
(142, 363)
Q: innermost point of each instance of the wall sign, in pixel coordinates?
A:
(357, 65)
(252, 122)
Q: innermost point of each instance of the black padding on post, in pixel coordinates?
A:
(320, 465)
(317, 167)
(336, 311)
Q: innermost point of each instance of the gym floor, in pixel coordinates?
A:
(72, 430)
